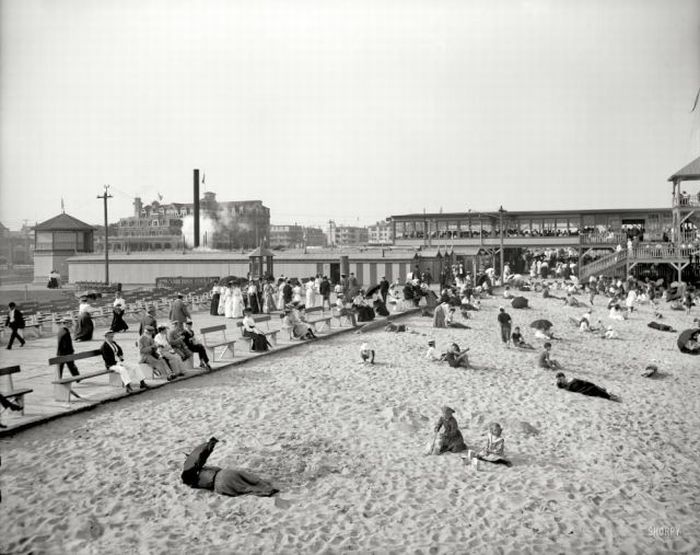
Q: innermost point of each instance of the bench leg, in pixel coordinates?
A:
(62, 391)
(19, 400)
(115, 380)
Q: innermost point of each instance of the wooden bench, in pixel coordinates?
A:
(323, 319)
(8, 390)
(335, 313)
(63, 387)
(218, 341)
(258, 319)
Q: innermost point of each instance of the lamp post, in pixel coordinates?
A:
(500, 228)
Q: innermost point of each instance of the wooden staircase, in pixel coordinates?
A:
(613, 264)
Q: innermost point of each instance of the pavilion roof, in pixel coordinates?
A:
(691, 172)
(63, 222)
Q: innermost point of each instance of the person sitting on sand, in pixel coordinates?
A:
(518, 339)
(570, 300)
(495, 446)
(456, 357)
(450, 438)
(366, 354)
(545, 361)
(616, 313)
(224, 481)
(432, 353)
(584, 324)
(547, 295)
(507, 293)
(610, 333)
(449, 320)
(584, 387)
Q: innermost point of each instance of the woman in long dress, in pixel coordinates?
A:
(224, 292)
(280, 295)
(118, 311)
(85, 327)
(310, 294)
(228, 301)
(268, 297)
(252, 292)
(237, 304)
(215, 299)
(296, 293)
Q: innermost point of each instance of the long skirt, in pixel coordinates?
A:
(240, 482)
(85, 327)
(214, 307)
(118, 323)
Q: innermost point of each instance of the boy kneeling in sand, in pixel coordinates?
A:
(366, 354)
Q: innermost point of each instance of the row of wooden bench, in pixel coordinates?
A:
(214, 339)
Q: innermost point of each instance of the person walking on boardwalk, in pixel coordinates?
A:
(178, 310)
(65, 347)
(15, 321)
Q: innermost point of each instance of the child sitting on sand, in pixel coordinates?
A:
(518, 339)
(545, 361)
(495, 446)
(432, 353)
(366, 354)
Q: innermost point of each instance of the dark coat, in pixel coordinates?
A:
(65, 343)
(108, 354)
(18, 324)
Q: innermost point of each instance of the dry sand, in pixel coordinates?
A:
(344, 442)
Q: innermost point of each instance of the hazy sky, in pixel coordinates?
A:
(351, 110)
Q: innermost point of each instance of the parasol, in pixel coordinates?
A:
(519, 302)
(684, 337)
(543, 325)
(372, 290)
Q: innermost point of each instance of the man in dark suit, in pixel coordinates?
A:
(148, 320)
(113, 357)
(384, 288)
(65, 347)
(178, 310)
(325, 290)
(15, 321)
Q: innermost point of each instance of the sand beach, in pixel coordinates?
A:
(344, 442)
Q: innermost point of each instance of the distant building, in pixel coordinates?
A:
(315, 237)
(286, 236)
(347, 236)
(380, 234)
(223, 225)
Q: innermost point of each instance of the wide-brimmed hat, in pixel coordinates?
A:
(431, 343)
(448, 409)
(149, 328)
(108, 333)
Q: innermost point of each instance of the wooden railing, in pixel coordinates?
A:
(661, 251)
(608, 238)
(603, 263)
(692, 201)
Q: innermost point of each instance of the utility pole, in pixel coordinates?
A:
(104, 197)
(500, 226)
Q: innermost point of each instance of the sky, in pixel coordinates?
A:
(346, 110)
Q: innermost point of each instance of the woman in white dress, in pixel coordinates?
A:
(237, 304)
(223, 292)
(228, 301)
(280, 295)
(296, 293)
(310, 293)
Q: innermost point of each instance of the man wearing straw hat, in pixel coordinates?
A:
(149, 354)
(113, 357)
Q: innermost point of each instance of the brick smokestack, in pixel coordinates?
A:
(196, 208)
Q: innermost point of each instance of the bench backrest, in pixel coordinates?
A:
(213, 329)
(6, 378)
(75, 356)
(314, 309)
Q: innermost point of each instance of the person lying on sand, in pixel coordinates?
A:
(584, 387)
(450, 438)
(457, 357)
(660, 327)
(610, 333)
(224, 481)
(395, 328)
(545, 361)
(495, 447)
(449, 320)
(518, 339)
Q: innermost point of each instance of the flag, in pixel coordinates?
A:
(203, 177)
(63, 209)
(160, 197)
